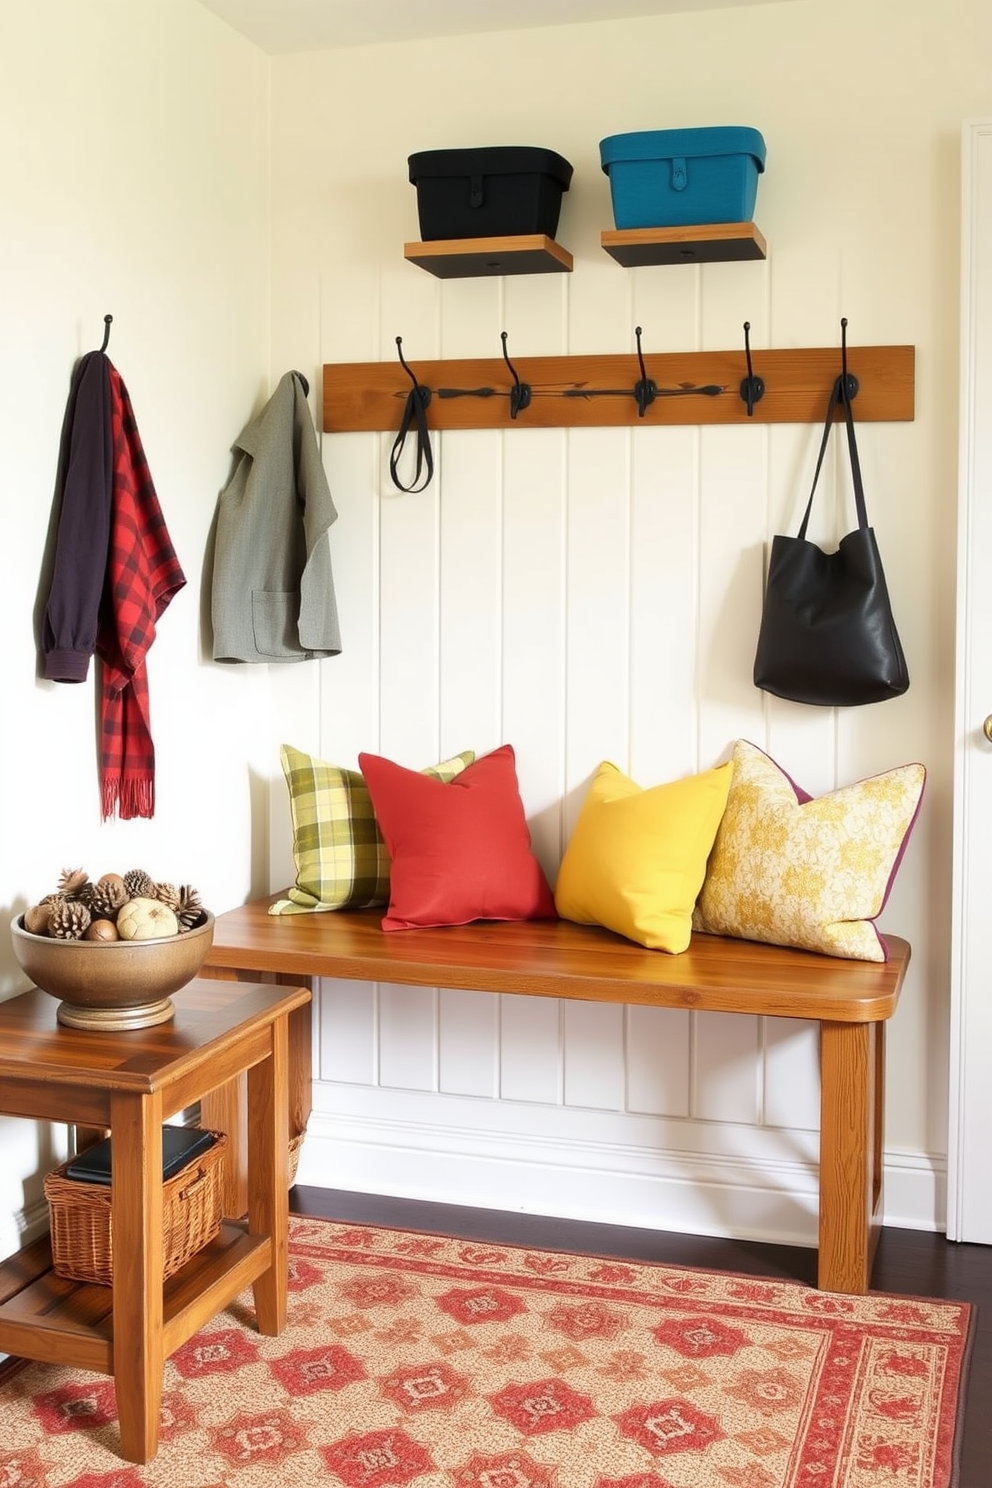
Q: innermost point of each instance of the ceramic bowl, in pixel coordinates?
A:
(116, 984)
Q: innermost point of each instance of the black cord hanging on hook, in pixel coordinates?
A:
(106, 332)
(645, 391)
(752, 388)
(414, 412)
(520, 393)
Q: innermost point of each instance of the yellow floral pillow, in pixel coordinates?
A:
(635, 861)
(797, 871)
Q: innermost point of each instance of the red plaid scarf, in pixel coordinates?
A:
(143, 574)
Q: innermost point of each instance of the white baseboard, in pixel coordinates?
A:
(701, 1178)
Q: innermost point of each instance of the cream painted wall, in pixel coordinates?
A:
(597, 595)
(134, 180)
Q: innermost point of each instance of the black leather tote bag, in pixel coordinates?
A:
(827, 634)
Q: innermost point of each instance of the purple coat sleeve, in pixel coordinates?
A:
(86, 481)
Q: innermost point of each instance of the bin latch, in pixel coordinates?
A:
(680, 176)
(475, 191)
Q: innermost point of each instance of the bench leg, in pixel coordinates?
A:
(851, 1113)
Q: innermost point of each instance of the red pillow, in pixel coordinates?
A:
(460, 850)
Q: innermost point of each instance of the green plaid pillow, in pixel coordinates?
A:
(341, 859)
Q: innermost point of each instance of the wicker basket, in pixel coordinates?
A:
(81, 1231)
(295, 1148)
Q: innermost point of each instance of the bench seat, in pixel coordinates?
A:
(851, 1001)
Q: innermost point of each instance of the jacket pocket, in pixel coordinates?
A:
(275, 624)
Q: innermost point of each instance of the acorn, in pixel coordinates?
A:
(104, 930)
(36, 918)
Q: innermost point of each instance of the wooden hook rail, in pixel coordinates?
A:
(599, 391)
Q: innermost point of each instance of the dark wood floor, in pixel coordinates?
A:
(910, 1262)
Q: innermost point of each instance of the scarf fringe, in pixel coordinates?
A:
(128, 798)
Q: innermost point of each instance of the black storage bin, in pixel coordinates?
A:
(494, 192)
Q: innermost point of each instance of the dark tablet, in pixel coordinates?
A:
(180, 1145)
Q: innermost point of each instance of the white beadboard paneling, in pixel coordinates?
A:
(664, 604)
(349, 460)
(599, 313)
(658, 1051)
(409, 539)
(533, 618)
(535, 317)
(597, 605)
(732, 506)
(726, 1073)
(350, 333)
(471, 317)
(467, 1043)
(594, 1055)
(470, 591)
(596, 594)
(667, 308)
(408, 627)
(530, 1049)
(791, 1073)
(407, 1036)
(732, 293)
(346, 1031)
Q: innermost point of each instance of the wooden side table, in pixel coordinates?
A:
(130, 1083)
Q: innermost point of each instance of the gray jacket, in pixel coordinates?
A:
(273, 591)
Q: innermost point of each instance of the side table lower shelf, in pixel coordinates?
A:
(46, 1317)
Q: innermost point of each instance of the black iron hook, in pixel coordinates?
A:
(420, 390)
(106, 332)
(850, 384)
(752, 388)
(414, 415)
(645, 391)
(520, 393)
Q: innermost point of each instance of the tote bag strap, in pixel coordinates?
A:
(414, 413)
(839, 394)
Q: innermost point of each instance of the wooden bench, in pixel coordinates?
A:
(851, 1001)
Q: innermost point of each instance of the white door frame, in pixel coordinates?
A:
(969, 1153)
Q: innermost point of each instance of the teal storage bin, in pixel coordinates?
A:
(683, 177)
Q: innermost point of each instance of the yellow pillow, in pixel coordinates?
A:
(812, 873)
(636, 859)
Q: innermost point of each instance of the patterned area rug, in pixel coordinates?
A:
(413, 1361)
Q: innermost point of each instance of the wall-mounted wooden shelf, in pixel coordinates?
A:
(372, 395)
(718, 242)
(487, 258)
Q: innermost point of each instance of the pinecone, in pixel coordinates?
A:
(68, 919)
(189, 910)
(167, 893)
(139, 884)
(106, 898)
(71, 881)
